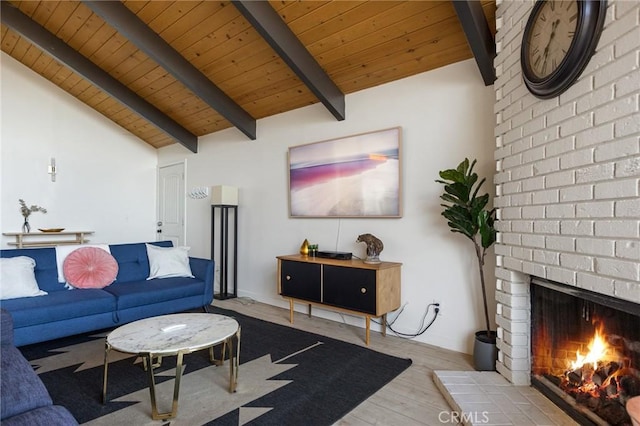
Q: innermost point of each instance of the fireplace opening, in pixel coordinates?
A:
(585, 351)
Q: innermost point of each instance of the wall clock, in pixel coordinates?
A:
(559, 39)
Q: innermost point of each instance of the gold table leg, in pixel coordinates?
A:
(233, 354)
(212, 357)
(156, 364)
(234, 362)
(107, 348)
(176, 388)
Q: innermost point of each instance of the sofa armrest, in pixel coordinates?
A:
(6, 328)
(203, 269)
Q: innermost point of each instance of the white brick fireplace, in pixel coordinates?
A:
(568, 177)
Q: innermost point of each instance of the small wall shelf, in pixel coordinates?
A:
(79, 238)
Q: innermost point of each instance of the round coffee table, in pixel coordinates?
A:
(176, 334)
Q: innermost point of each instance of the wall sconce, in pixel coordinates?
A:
(52, 169)
(198, 192)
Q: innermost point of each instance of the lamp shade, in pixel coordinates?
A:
(222, 195)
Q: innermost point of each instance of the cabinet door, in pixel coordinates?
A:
(300, 280)
(350, 288)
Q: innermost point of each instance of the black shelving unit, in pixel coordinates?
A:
(222, 213)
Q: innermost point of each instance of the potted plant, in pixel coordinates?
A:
(467, 213)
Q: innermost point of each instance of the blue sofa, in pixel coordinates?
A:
(25, 400)
(64, 312)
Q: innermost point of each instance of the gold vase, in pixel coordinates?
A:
(304, 248)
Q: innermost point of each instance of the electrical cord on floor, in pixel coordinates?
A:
(394, 320)
(422, 327)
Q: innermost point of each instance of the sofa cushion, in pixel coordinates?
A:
(45, 270)
(132, 259)
(90, 267)
(51, 415)
(20, 387)
(148, 292)
(17, 278)
(166, 262)
(62, 252)
(58, 306)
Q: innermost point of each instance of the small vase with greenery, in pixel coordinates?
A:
(26, 212)
(467, 213)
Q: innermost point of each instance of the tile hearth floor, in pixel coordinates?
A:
(487, 398)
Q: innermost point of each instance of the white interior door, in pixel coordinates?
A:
(171, 201)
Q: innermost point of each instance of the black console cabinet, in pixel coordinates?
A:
(350, 286)
(301, 280)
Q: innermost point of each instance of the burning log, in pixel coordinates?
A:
(613, 412)
(609, 368)
(630, 384)
(611, 389)
(575, 377)
(598, 379)
(632, 373)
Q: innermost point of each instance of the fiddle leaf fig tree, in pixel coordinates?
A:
(467, 213)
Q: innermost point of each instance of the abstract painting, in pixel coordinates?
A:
(354, 176)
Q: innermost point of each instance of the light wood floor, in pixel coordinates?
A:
(410, 399)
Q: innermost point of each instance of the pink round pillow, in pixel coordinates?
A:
(90, 267)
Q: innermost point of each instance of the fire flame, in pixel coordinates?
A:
(598, 351)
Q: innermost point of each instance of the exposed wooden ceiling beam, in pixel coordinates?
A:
(280, 37)
(127, 23)
(479, 36)
(38, 35)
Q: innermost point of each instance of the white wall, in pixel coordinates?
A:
(445, 115)
(107, 183)
(106, 179)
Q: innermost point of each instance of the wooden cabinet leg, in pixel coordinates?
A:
(291, 311)
(384, 325)
(368, 320)
(309, 310)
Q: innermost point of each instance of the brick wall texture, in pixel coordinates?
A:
(567, 176)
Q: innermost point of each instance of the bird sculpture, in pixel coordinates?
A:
(374, 247)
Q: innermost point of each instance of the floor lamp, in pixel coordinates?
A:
(224, 207)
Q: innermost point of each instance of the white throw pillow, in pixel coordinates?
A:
(17, 278)
(165, 262)
(63, 251)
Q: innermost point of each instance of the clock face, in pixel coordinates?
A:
(558, 41)
(551, 35)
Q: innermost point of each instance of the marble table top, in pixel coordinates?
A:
(169, 334)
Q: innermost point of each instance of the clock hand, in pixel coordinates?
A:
(554, 26)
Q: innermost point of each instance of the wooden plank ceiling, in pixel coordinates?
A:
(358, 44)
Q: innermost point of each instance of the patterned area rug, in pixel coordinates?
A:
(286, 377)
